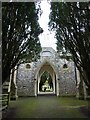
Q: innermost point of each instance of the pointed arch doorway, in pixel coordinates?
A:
(46, 80)
(46, 84)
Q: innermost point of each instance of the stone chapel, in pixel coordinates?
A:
(61, 72)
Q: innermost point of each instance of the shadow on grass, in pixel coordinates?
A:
(85, 111)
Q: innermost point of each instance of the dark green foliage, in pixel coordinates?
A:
(45, 76)
(72, 24)
(20, 31)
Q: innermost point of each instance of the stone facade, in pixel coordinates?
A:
(63, 78)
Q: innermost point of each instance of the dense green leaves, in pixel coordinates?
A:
(72, 24)
(20, 31)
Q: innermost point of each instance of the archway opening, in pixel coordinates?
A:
(46, 82)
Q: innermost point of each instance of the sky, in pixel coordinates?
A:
(46, 38)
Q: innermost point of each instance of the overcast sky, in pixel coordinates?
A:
(46, 38)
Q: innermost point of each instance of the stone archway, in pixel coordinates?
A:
(46, 83)
(28, 77)
(47, 67)
(51, 68)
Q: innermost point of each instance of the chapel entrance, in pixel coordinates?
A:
(46, 83)
(46, 80)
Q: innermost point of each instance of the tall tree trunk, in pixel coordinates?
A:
(82, 88)
(13, 86)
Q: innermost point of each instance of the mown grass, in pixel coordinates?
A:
(47, 107)
(68, 101)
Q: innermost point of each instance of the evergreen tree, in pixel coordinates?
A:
(71, 20)
(20, 31)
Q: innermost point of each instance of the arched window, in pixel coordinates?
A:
(28, 66)
(65, 66)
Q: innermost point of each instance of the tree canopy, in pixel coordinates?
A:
(20, 31)
(71, 21)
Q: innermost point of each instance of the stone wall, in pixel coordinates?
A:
(25, 83)
(26, 77)
(67, 82)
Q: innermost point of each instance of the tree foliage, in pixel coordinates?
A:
(72, 24)
(20, 31)
(45, 76)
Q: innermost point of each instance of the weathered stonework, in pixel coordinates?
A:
(63, 79)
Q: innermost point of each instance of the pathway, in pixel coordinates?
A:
(46, 107)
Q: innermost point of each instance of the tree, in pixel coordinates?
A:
(20, 31)
(72, 24)
(45, 77)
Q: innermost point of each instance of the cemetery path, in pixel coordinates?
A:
(46, 107)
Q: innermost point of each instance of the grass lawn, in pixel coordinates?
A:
(47, 107)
